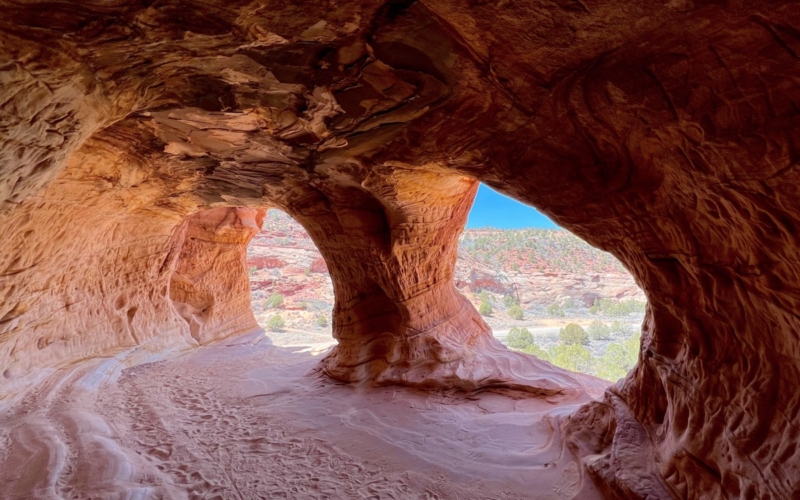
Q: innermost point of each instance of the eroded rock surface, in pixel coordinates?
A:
(665, 133)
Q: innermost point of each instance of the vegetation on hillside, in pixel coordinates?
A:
(275, 301)
(555, 311)
(609, 307)
(281, 230)
(276, 323)
(614, 363)
(573, 334)
(532, 249)
(604, 346)
(519, 338)
(618, 359)
(507, 250)
(485, 308)
(599, 330)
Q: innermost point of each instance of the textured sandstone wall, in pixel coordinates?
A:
(391, 251)
(209, 287)
(664, 132)
(101, 262)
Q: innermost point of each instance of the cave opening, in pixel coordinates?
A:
(290, 287)
(541, 289)
(663, 132)
(546, 292)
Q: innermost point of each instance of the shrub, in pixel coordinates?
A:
(555, 311)
(573, 334)
(519, 338)
(275, 323)
(303, 305)
(632, 346)
(252, 270)
(537, 351)
(609, 307)
(621, 329)
(573, 357)
(510, 300)
(485, 309)
(619, 358)
(599, 330)
(569, 304)
(515, 312)
(275, 300)
(322, 320)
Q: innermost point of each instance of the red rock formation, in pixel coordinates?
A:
(665, 133)
(318, 266)
(266, 262)
(209, 286)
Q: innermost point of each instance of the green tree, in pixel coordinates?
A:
(519, 338)
(275, 323)
(275, 300)
(573, 334)
(632, 345)
(485, 308)
(515, 312)
(537, 351)
(619, 358)
(573, 357)
(621, 329)
(322, 320)
(609, 307)
(555, 311)
(599, 330)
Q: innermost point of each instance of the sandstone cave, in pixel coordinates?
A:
(542, 290)
(142, 142)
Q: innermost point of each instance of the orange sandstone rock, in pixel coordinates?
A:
(664, 132)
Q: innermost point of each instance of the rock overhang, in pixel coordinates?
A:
(664, 133)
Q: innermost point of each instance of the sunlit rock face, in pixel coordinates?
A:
(665, 133)
(209, 287)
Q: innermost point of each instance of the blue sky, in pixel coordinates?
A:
(492, 209)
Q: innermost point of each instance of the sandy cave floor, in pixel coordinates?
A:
(245, 419)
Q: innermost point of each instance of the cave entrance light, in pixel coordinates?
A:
(290, 288)
(546, 292)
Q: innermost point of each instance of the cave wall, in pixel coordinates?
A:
(104, 261)
(679, 154)
(665, 133)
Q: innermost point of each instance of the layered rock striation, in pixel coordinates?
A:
(138, 143)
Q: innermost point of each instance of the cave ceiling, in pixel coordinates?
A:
(140, 143)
